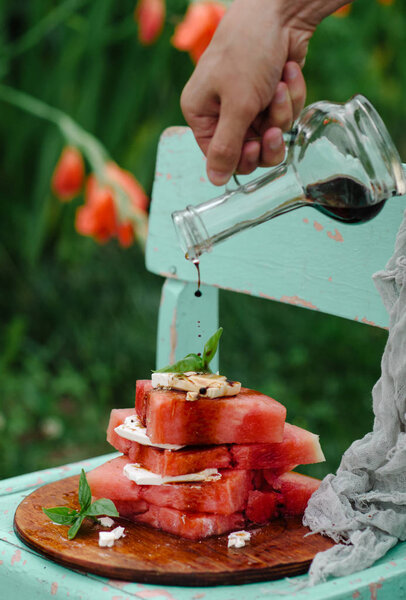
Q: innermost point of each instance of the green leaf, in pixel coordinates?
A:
(210, 348)
(76, 526)
(85, 495)
(191, 362)
(62, 515)
(103, 506)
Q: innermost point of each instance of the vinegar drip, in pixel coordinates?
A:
(196, 263)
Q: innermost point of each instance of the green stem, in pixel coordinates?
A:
(54, 18)
(74, 134)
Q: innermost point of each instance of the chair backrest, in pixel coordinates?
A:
(302, 258)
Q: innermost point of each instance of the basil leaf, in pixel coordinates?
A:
(103, 506)
(76, 526)
(191, 362)
(210, 348)
(61, 514)
(85, 495)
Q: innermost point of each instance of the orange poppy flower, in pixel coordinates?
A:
(150, 16)
(98, 217)
(342, 12)
(68, 176)
(194, 33)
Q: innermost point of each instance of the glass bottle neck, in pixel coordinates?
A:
(199, 228)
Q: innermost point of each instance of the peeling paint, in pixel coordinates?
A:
(117, 583)
(16, 557)
(173, 338)
(39, 481)
(176, 130)
(297, 301)
(305, 220)
(261, 295)
(198, 596)
(158, 174)
(365, 320)
(373, 588)
(154, 593)
(203, 179)
(168, 176)
(335, 236)
(356, 595)
(318, 226)
(330, 279)
(54, 588)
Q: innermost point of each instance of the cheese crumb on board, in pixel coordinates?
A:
(106, 521)
(107, 538)
(237, 539)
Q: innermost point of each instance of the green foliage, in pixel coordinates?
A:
(79, 320)
(194, 362)
(63, 515)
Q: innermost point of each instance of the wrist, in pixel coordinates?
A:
(306, 13)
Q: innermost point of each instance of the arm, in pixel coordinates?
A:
(248, 83)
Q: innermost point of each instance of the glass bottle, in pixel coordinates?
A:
(340, 160)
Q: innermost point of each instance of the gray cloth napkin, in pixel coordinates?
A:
(363, 506)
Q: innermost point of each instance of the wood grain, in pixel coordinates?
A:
(150, 556)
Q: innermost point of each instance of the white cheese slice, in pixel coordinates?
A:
(132, 429)
(238, 539)
(207, 385)
(142, 476)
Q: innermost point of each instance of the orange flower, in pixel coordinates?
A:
(194, 33)
(342, 12)
(98, 216)
(69, 173)
(150, 16)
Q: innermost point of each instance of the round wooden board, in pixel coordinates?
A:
(147, 555)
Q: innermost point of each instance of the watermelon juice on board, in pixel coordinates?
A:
(203, 456)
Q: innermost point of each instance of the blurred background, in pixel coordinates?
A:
(78, 309)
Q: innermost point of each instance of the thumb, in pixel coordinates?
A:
(224, 151)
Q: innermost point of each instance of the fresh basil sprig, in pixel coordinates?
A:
(63, 515)
(194, 362)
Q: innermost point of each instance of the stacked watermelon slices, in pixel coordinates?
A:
(244, 437)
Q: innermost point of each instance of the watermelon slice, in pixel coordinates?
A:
(295, 490)
(248, 417)
(262, 506)
(142, 387)
(195, 526)
(224, 496)
(298, 446)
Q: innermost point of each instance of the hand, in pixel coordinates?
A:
(236, 91)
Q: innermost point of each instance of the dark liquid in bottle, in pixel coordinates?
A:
(343, 199)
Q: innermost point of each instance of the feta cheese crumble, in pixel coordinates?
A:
(106, 521)
(237, 539)
(142, 476)
(107, 538)
(207, 385)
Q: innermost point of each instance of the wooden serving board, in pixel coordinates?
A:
(147, 555)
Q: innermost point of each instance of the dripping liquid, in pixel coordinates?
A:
(196, 263)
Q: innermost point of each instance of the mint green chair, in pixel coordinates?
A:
(302, 258)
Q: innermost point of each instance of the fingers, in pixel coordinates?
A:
(249, 157)
(225, 148)
(293, 77)
(273, 147)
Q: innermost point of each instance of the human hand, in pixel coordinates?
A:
(248, 83)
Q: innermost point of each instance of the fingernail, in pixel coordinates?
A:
(290, 71)
(276, 143)
(280, 95)
(218, 177)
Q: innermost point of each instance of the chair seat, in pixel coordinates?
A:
(25, 575)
